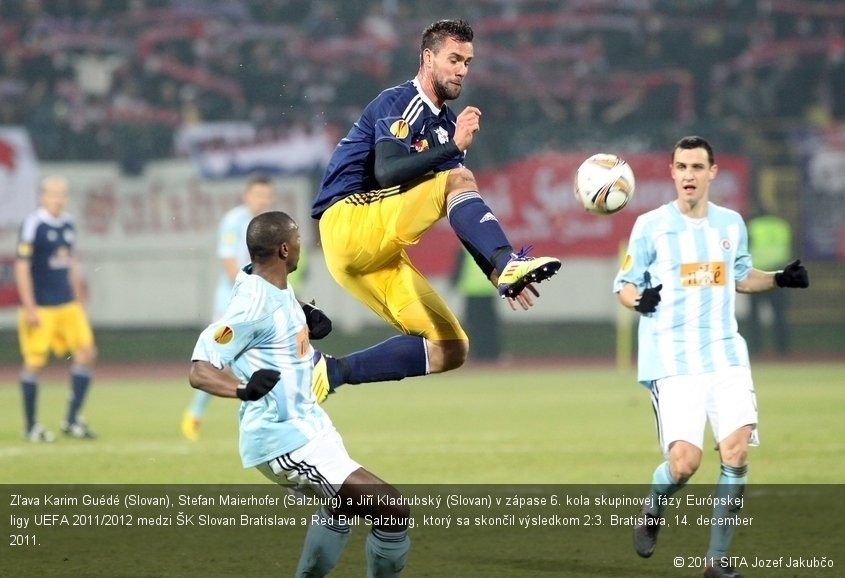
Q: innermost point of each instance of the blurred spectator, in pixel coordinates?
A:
(67, 67)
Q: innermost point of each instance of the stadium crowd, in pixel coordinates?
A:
(98, 79)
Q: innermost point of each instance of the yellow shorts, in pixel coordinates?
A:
(62, 329)
(364, 238)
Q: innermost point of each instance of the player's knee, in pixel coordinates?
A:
(683, 470)
(455, 354)
(733, 456)
(85, 356)
(460, 180)
(393, 518)
(683, 466)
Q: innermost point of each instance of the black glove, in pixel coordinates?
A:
(259, 384)
(319, 324)
(648, 301)
(793, 275)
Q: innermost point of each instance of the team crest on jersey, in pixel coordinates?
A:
(25, 250)
(400, 129)
(223, 335)
(442, 134)
(420, 145)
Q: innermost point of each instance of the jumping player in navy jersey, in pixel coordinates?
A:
(397, 172)
(51, 317)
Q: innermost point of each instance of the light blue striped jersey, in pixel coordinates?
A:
(264, 328)
(698, 262)
(231, 243)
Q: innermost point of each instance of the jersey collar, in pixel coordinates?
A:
(425, 98)
(48, 218)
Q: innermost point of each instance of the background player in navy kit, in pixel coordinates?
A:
(52, 317)
(396, 173)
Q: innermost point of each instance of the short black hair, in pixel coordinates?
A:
(266, 232)
(695, 142)
(434, 35)
(258, 179)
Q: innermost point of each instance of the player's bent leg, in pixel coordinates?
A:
(393, 359)
(319, 467)
(650, 519)
(446, 355)
(325, 541)
(388, 544)
(479, 230)
(684, 460)
(668, 478)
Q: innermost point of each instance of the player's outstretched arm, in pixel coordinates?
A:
(209, 379)
(793, 275)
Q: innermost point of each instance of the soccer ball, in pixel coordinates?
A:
(604, 183)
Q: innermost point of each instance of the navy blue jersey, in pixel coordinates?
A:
(402, 114)
(47, 243)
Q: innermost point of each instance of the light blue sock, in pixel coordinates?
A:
(324, 543)
(199, 403)
(729, 495)
(663, 485)
(386, 553)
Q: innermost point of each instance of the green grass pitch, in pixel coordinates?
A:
(512, 428)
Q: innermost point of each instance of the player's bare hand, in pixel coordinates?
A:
(467, 124)
(524, 299)
(32, 319)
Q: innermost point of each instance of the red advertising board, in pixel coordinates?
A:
(8, 289)
(533, 199)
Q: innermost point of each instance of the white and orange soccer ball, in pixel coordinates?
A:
(604, 184)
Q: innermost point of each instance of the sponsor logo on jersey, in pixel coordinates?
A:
(420, 145)
(488, 217)
(400, 129)
(703, 274)
(223, 334)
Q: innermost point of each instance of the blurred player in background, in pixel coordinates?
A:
(396, 173)
(52, 317)
(770, 245)
(259, 352)
(686, 261)
(257, 197)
